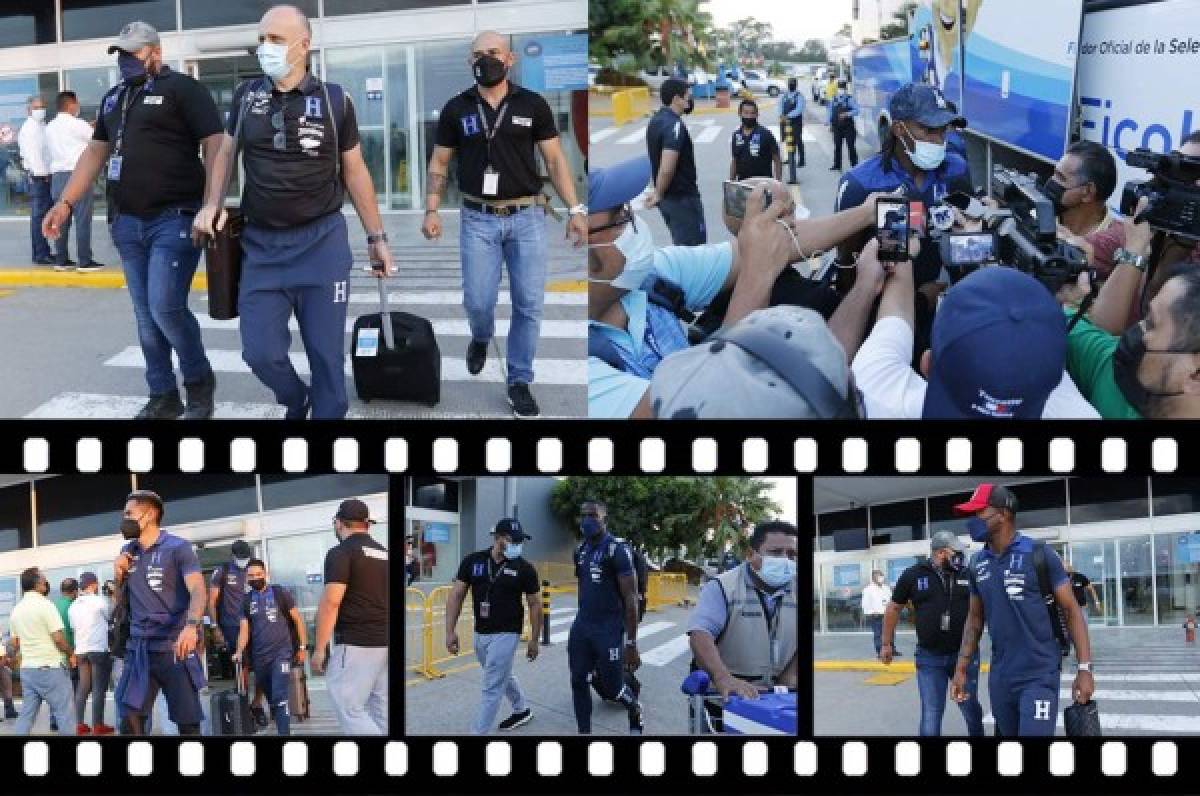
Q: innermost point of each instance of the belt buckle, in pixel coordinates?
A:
(501, 211)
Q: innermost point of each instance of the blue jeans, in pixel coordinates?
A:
(495, 653)
(684, 217)
(159, 262)
(81, 215)
(52, 685)
(518, 240)
(876, 623)
(39, 203)
(934, 672)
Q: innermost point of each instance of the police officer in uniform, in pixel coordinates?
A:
(491, 131)
(791, 112)
(939, 592)
(842, 110)
(743, 631)
(755, 150)
(271, 626)
(673, 166)
(153, 123)
(165, 589)
(603, 637)
(302, 156)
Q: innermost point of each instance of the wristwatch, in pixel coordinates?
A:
(1084, 666)
(195, 623)
(1123, 256)
(578, 210)
(631, 643)
(376, 237)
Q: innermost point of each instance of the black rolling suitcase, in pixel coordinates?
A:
(405, 365)
(231, 709)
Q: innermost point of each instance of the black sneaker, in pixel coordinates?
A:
(301, 413)
(87, 267)
(636, 724)
(517, 719)
(260, 716)
(162, 407)
(200, 404)
(522, 402)
(476, 356)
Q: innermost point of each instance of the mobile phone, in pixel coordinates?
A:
(736, 194)
(891, 228)
(970, 248)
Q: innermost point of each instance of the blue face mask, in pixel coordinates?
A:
(591, 527)
(131, 67)
(513, 551)
(272, 58)
(777, 570)
(978, 529)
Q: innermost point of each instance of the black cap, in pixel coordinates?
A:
(354, 510)
(512, 529)
(242, 549)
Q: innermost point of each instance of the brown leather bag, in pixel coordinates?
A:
(223, 252)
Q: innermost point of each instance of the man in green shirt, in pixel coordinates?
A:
(69, 590)
(1090, 352)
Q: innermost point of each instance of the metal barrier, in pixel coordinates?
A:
(557, 574)
(666, 588)
(418, 634)
(630, 104)
(436, 610)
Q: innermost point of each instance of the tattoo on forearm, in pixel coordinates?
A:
(436, 183)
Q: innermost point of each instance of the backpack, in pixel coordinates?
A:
(641, 570)
(118, 623)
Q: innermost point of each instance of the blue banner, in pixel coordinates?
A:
(437, 532)
(846, 576)
(554, 63)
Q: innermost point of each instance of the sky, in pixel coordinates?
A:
(783, 490)
(793, 20)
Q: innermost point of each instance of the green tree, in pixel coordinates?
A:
(898, 27)
(654, 32)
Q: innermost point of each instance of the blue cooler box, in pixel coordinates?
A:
(770, 714)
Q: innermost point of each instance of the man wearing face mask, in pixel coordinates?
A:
(153, 123)
(755, 150)
(31, 142)
(161, 576)
(744, 629)
(226, 591)
(353, 615)
(1005, 579)
(874, 602)
(67, 136)
(842, 111)
(499, 578)
(492, 131)
(673, 164)
(939, 592)
(39, 636)
(1083, 180)
(603, 637)
(302, 156)
(273, 629)
(791, 113)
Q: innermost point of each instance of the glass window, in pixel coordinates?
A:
(71, 507)
(196, 498)
(207, 14)
(360, 71)
(16, 522)
(90, 84)
(438, 494)
(25, 22)
(103, 19)
(282, 491)
(437, 547)
(298, 564)
(335, 8)
(1099, 499)
(442, 72)
(399, 137)
(10, 592)
(942, 516)
(1041, 504)
(843, 530)
(898, 522)
(1097, 560)
(1137, 589)
(843, 585)
(14, 96)
(1177, 575)
(816, 603)
(1175, 496)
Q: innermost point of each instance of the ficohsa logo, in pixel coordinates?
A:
(533, 49)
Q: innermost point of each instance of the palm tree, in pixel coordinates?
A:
(730, 506)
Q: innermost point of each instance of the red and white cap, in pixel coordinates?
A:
(988, 495)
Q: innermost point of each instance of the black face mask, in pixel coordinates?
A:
(1127, 359)
(691, 106)
(257, 585)
(489, 71)
(130, 528)
(749, 122)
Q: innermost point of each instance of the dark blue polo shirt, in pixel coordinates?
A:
(270, 633)
(1024, 646)
(600, 602)
(158, 597)
(871, 176)
(666, 130)
(231, 580)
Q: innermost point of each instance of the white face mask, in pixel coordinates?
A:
(777, 570)
(273, 59)
(39, 114)
(927, 156)
(638, 248)
(513, 551)
(242, 563)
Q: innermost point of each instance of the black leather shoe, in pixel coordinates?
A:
(200, 404)
(476, 356)
(166, 406)
(522, 402)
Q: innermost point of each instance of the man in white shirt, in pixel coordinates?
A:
(875, 599)
(66, 137)
(31, 142)
(89, 615)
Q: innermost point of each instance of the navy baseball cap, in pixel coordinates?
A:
(999, 347)
(512, 529)
(924, 104)
(618, 184)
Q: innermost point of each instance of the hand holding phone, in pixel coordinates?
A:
(892, 219)
(736, 193)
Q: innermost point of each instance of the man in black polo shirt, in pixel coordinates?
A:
(755, 150)
(673, 166)
(940, 593)
(490, 130)
(302, 155)
(153, 123)
(353, 614)
(497, 577)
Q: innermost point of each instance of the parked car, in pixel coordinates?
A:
(759, 83)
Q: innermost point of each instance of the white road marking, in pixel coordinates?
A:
(600, 135)
(1118, 695)
(643, 631)
(665, 653)
(1142, 722)
(634, 137)
(707, 135)
(453, 297)
(1162, 677)
(442, 327)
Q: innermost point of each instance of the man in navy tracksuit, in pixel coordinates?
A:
(603, 638)
(1006, 593)
(226, 591)
(272, 627)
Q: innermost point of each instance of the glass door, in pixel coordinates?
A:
(221, 75)
(1098, 561)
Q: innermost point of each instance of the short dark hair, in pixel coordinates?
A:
(69, 586)
(749, 102)
(65, 98)
(759, 535)
(256, 562)
(30, 579)
(1097, 166)
(600, 504)
(1186, 309)
(671, 88)
(1193, 138)
(144, 497)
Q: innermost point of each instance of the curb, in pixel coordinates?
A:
(875, 666)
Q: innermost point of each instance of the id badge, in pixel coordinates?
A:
(114, 167)
(491, 182)
(485, 610)
(945, 623)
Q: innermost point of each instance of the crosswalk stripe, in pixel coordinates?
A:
(665, 653)
(1142, 722)
(600, 135)
(1118, 695)
(707, 135)
(1191, 678)
(549, 371)
(634, 137)
(399, 299)
(562, 620)
(442, 327)
(643, 631)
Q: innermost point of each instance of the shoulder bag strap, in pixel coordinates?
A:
(1043, 576)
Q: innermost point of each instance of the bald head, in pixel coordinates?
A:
(288, 27)
(288, 16)
(491, 43)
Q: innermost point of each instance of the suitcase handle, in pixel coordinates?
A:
(385, 317)
(243, 687)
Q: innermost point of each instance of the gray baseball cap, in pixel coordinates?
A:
(718, 379)
(946, 539)
(134, 36)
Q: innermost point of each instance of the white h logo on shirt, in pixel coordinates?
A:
(1041, 710)
(339, 292)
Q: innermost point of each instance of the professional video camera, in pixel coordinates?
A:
(1174, 196)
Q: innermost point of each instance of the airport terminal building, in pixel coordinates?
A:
(1137, 539)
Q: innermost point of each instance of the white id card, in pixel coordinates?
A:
(114, 168)
(367, 344)
(491, 182)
